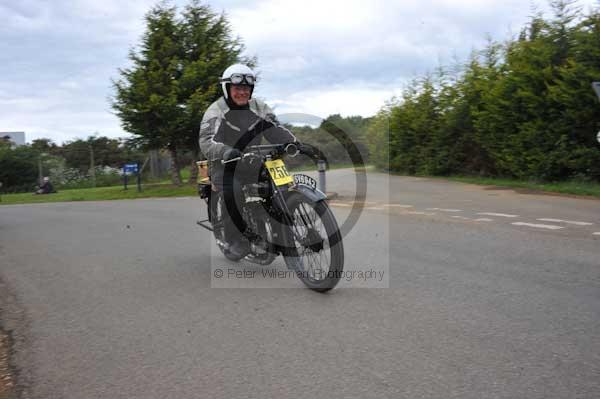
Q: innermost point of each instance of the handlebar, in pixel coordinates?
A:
(236, 159)
(290, 149)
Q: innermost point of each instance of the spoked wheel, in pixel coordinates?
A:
(314, 245)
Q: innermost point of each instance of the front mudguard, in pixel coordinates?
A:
(314, 195)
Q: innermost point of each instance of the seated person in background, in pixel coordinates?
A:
(46, 187)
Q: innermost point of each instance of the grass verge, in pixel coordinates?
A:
(102, 194)
(149, 190)
(169, 190)
(567, 187)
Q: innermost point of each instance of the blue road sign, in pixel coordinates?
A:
(130, 168)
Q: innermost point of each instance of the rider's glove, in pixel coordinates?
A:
(305, 149)
(231, 153)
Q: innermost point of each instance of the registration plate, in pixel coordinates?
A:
(305, 180)
(278, 172)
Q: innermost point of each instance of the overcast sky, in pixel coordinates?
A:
(315, 56)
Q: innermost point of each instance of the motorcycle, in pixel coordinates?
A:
(286, 214)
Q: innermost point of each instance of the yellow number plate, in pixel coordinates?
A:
(278, 172)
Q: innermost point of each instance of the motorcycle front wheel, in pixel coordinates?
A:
(314, 248)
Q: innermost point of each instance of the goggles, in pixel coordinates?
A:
(240, 79)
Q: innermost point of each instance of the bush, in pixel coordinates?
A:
(18, 169)
(67, 178)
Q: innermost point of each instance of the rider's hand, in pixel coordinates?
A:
(231, 153)
(305, 149)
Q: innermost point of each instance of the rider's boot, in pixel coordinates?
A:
(256, 239)
(239, 247)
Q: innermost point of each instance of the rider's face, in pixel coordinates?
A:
(240, 94)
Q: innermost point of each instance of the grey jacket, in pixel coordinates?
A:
(223, 128)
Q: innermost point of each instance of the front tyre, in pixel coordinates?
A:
(314, 248)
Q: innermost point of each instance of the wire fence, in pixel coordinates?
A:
(153, 166)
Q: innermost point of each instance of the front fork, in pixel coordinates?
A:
(279, 200)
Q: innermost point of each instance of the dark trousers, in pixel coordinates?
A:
(233, 195)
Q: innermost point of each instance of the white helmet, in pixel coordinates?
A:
(237, 74)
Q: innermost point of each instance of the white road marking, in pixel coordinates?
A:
(338, 204)
(597, 233)
(503, 215)
(461, 217)
(539, 226)
(443, 210)
(399, 206)
(484, 220)
(566, 221)
(375, 208)
(165, 198)
(421, 213)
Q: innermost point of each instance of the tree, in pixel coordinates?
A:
(5, 142)
(538, 117)
(18, 168)
(175, 77)
(378, 139)
(521, 109)
(576, 108)
(207, 50)
(107, 152)
(146, 95)
(44, 145)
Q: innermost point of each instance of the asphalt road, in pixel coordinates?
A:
(114, 300)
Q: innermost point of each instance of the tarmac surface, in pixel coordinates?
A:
(480, 298)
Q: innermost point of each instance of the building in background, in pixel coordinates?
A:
(16, 138)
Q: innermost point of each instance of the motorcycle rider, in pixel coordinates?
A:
(229, 125)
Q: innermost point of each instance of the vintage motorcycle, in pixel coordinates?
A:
(287, 215)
